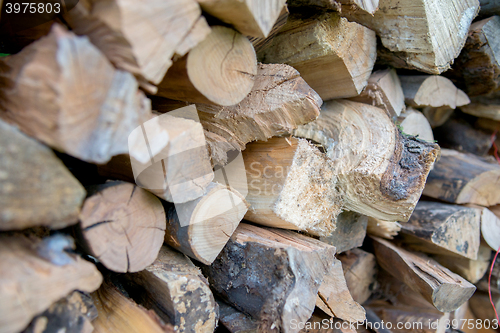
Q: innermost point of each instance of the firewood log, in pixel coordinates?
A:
(426, 35)
(46, 94)
(235, 321)
(381, 172)
(123, 226)
(118, 28)
(482, 285)
(460, 135)
(291, 185)
(219, 70)
(335, 299)
(323, 323)
(436, 94)
(259, 42)
(177, 291)
(29, 283)
(384, 91)
(471, 270)
(382, 229)
(464, 178)
(477, 68)
(490, 226)
(73, 314)
(413, 122)
(334, 56)
(252, 18)
(360, 270)
(201, 228)
(484, 107)
(118, 313)
(447, 291)
(441, 228)
(349, 233)
(272, 275)
(35, 187)
(481, 307)
(368, 6)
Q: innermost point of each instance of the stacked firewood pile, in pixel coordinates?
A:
(251, 166)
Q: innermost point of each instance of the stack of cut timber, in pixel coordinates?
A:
(243, 166)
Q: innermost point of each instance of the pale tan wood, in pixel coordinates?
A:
(36, 189)
(383, 229)
(447, 291)
(437, 116)
(202, 227)
(335, 299)
(425, 34)
(360, 270)
(259, 42)
(177, 291)
(273, 275)
(367, 152)
(123, 226)
(29, 284)
(490, 225)
(140, 36)
(464, 178)
(118, 313)
(413, 122)
(484, 108)
(384, 91)
(85, 113)
(441, 228)
(334, 56)
(349, 233)
(250, 17)
(291, 185)
(219, 70)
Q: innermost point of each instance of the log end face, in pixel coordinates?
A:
(449, 297)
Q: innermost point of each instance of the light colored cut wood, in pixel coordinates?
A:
(29, 284)
(202, 227)
(219, 70)
(259, 42)
(381, 172)
(84, 113)
(360, 270)
(484, 107)
(383, 229)
(334, 56)
(413, 122)
(123, 226)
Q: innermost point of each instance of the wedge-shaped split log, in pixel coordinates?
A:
(272, 275)
(413, 122)
(349, 233)
(383, 229)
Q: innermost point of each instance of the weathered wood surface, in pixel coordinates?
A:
(123, 226)
(464, 178)
(349, 233)
(381, 172)
(334, 56)
(360, 270)
(484, 106)
(460, 135)
(46, 94)
(368, 6)
(272, 275)
(29, 283)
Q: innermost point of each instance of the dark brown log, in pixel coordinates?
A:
(123, 226)
(495, 279)
(481, 307)
(447, 291)
(458, 134)
(235, 321)
(464, 178)
(368, 6)
(349, 233)
(322, 323)
(272, 275)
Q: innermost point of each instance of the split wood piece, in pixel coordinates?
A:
(29, 284)
(481, 307)
(437, 116)
(252, 18)
(478, 66)
(384, 91)
(118, 28)
(201, 228)
(381, 172)
(368, 6)
(46, 94)
(123, 226)
(334, 56)
(36, 189)
(260, 43)
(280, 101)
(464, 178)
(383, 229)
(441, 228)
(235, 321)
(349, 233)
(292, 266)
(471, 270)
(495, 279)
(177, 291)
(413, 122)
(118, 313)
(291, 185)
(219, 70)
(73, 314)
(447, 291)
(484, 107)
(490, 226)
(426, 34)
(460, 135)
(360, 270)
(335, 299)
